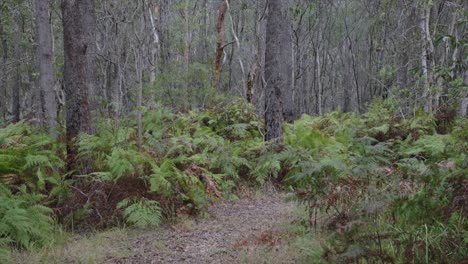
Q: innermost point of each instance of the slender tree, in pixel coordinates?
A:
(219, 44)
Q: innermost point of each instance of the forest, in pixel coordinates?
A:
(222, 131)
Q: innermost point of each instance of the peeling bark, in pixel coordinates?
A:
(219, 46)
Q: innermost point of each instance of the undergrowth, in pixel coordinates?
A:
(188, 161)
(379, 187)
(386, 189)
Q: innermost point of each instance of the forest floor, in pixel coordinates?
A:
(231, 231)
(260, 228)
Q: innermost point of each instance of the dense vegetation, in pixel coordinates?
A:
(382, 187)
(123, 114)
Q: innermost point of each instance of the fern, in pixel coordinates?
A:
(141, 212)
(160, 179)
(101, 146)
(5, 252)
(30, 157)
(198, 197)
(23, 221)
(268, 166)
(121, 163)
(431, 146)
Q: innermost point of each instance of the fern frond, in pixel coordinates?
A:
(141, 212)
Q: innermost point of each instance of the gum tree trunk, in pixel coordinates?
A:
(44, 53)
(78, 46)
(219, 45)
(3, 69)
(278, 63)
(17, 54)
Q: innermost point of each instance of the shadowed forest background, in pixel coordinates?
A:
(133, 113)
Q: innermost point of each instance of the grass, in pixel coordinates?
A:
(92, 248)
(292, 243)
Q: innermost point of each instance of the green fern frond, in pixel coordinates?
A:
(159, 182)
(23, 221)
(141, 212)
(429, 145)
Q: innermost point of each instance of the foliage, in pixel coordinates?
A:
(30, 158)
(31, 171)
(187, 160)
(24, 222)
(142, 212)
(382, 186)
(390, 188)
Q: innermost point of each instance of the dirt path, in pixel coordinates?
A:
(231, 229)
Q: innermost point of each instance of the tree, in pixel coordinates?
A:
(219, 45)
(333, 54)
(3, 66)
(45, 60)
(427, 54)
(17, 54)
(78, 78)
(278, 102)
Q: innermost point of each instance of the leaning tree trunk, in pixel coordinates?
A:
(77, 76)
(45, 64)
(278, 56)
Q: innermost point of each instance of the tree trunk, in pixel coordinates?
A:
(17, 54)
(139, 73)
(3, 68)
(77, 79)
(277, 70)
(402, 44)
(45, 64)
(464, 107)
(89, 23)
(188, 91)
(155, 46)
(464, 101)
(219, 46)
(426, 57)
(319, 83)
(286, 58)
(258, 91)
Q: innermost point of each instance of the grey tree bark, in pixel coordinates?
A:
(89, 24)
(44, 53)
(402, 56)
(258, 75)
(3, 69)
(17, 54)
(219, 46)
(77, 76)
(139, 73)
(280, 11)
(278, 62)
(464, 100)
(426, 56)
